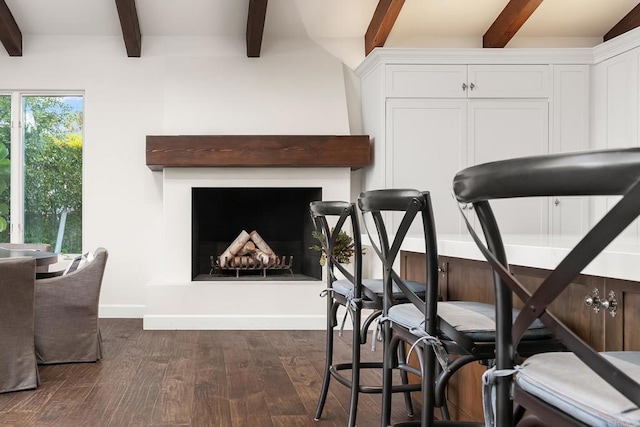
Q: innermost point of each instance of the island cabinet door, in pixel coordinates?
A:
(570, 305)
(622, 331)
(471, 280)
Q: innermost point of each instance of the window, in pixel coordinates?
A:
(41, 139)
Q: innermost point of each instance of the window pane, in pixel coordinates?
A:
(5, 166)
(53, 171)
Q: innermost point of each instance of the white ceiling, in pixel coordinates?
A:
(315, 18)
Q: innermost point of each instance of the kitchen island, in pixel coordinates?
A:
(614, 276)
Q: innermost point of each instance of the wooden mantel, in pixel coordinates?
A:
(352, 151)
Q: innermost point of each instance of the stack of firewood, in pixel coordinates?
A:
(248, 250)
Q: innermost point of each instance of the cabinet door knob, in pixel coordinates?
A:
(471, 86)
(464, 86)
(556, 202)
(597, 303)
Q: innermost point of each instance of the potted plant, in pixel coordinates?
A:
(343, 249)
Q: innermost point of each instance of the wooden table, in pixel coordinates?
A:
(42, 258)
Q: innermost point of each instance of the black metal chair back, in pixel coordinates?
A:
(344, 213)
(413, 204)
(593, 173)
(347, 288)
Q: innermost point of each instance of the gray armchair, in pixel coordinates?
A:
(18, 368)
(66, 314)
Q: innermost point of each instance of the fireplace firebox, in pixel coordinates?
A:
(279, 215)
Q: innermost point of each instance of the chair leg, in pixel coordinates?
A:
(428, 377)
(355, 369)
(387, 377)
(332, 307)
(440, 399)
(402, 355)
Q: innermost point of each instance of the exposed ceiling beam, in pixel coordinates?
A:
(507, 24)
(255, 27)
(130, 27)
(10, 34)
(629, 22)
(381, 24)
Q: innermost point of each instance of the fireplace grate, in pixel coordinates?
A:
(281, 264)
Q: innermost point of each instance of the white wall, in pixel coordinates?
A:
(179, 86)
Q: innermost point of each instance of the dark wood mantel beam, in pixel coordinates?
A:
(10, 33)
(629, 22)
(507, 24)
(187, 151)
(130, 27)
(255, 27)
(381, 24)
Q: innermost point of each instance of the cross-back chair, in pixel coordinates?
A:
(580, 386)
(355, 294)
(465, 329)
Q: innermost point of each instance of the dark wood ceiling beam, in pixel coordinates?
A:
(10, 33)
(507, 24)
(255, 27)
(629, 22)
(130, 27)
(381, 24)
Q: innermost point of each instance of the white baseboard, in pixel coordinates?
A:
(234, 322)
(119, 311)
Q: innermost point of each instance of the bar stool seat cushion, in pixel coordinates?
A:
(345, 287)
(562, 380)
(475, 319)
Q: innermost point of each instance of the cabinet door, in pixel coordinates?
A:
(426, 142)
(622, 331)
(426, 81)
(570, 124)
(508, 81)
(503, 129)
(616, 116)
(569, 215)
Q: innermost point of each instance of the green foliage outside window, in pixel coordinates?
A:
(5, 172)
(5, 166)
(52, 171)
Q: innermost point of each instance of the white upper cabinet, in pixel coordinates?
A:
(430, 119)
(570, 118)
(426, 81)
(616, 123)
(504, 129)
(467, 81)
(508, 81)
(429, 147)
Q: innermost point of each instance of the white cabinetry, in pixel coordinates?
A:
(508, 81)
(616, 114)
(504, 129)
(429, 147)
(570, 124)
(429, 121)
(433, 139)
(467, 81)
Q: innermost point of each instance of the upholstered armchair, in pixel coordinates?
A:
(18, 368)
(66, 313)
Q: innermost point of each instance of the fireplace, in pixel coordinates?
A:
(279, 215)
(241, 171)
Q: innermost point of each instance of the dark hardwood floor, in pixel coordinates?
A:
(193, 378)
